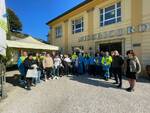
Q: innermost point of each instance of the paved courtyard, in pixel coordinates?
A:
(76, 95)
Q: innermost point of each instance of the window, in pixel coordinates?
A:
(58, 31)
(110, 15)
(77, 26)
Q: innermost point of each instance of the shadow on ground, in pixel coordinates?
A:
(14, 80)
(92, 81)
(96, 82)
(143, 79)
(11, 68)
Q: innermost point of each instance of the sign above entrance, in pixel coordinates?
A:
(117, 32)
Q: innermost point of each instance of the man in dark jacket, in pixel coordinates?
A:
(117, 68)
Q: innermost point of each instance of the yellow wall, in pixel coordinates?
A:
(77, 11)
(126, 21)
(58, 41)
(134, 12)
(146, 11)
(146, 35)
(73, 38)
(91, 24)
(66, 36)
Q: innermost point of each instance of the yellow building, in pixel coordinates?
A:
(105, 25)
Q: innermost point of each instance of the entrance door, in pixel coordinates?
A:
(111, 47)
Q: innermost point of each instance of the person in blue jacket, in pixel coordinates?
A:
(91, 69)
(80, 64)
(86, 62)
(98, 64)
(21, 67)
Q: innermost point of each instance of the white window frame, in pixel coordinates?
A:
(74, 23)
(104, 13)
(58, 31)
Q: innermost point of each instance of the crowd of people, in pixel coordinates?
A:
(37, 67)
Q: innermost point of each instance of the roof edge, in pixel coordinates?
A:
(70, 10)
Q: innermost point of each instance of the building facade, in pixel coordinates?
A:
(105, 25)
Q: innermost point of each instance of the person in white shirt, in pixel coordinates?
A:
(57, 64)
(67, 59)
(67, 64)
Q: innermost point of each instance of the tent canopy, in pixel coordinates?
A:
(30, 43)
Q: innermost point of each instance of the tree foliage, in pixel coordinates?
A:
(14, 22)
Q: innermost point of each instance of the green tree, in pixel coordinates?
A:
(14, 22)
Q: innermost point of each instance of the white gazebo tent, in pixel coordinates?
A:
(30, 43)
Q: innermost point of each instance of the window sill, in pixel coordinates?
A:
(111, 25)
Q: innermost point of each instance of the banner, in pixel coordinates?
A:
(3, 27)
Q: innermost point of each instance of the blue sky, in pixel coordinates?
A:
(35, 13)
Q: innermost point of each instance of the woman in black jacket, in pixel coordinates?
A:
(28, 63)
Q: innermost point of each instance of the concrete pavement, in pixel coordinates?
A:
(73, 94)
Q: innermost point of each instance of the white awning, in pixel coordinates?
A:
(25, 45)
(29, 39)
